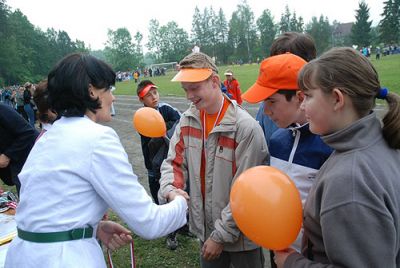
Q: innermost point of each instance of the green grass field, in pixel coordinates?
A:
(388, 69)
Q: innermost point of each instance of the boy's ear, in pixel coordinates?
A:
(140, 99)
(337, 99)
(216, 80)
(300, 95)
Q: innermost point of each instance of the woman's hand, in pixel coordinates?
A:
(113, 235)
(4, 161)
(281, 256)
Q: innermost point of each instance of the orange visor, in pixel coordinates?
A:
(192, 75)
(146, 90)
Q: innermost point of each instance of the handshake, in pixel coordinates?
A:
(171, 195)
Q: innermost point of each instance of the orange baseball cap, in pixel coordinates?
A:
(276, 73)
(195, 67)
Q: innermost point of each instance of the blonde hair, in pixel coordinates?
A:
(349, 71)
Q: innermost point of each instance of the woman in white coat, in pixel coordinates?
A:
(76, 171)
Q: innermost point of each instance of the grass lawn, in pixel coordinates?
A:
(388, 68)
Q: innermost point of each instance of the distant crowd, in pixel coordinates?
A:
(139, 73)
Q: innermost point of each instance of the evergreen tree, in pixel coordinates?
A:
(267, 30)
(290, 23)
(242, 32)
(321, 31)
(361, 30)
(284, 25)
(389, 26)
(221, 30)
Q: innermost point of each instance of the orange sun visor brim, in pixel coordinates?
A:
(192, 75)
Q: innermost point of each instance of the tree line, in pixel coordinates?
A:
(27, 53)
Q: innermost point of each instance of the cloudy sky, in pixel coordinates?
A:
(88, 20)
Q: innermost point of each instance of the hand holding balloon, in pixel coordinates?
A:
(266, 206)
(149, 122)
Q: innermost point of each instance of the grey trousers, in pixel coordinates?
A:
(241, 259)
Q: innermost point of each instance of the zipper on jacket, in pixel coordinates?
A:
(296, 135)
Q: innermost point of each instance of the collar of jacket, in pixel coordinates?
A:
(228, 122)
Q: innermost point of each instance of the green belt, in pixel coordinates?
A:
(73, 234)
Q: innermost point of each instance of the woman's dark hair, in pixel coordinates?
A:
(69, 81)
(352, 73)
(300, 44)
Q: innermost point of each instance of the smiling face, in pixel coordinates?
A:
(319, 108)
(151, 99)
(284, 112)
(205, 95)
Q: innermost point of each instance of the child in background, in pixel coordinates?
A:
(232, 86)
(352, 213)
(45, 114)
(148, 95)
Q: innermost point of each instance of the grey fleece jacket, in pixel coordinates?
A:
(352, 213)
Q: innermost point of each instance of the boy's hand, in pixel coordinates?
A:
(281, 256)
(113, 235)
(174, 193)
(211, 250)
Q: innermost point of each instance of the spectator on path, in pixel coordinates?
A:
(19, 98)
(28, 103)
(232, 86)
(378, 53)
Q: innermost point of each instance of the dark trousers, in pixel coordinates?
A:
(154, 184)
(240, 259)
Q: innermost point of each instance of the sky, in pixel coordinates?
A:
(89, 20)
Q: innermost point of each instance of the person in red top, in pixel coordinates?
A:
(232, 86)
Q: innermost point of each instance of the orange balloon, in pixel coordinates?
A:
(149, 122)
(266, 206)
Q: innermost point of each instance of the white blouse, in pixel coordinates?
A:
(74, 173)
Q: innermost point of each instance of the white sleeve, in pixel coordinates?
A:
(113, 179)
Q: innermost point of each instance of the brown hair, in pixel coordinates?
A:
(352, 73)
(300, 44)
(40, 97)
(198, 60)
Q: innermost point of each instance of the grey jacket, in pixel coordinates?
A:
(233, 146)
(352, 213)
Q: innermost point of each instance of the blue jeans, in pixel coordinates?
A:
(31, 116)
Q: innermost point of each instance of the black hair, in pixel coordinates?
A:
(142, 85)
(69, 81)
(287, 93)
